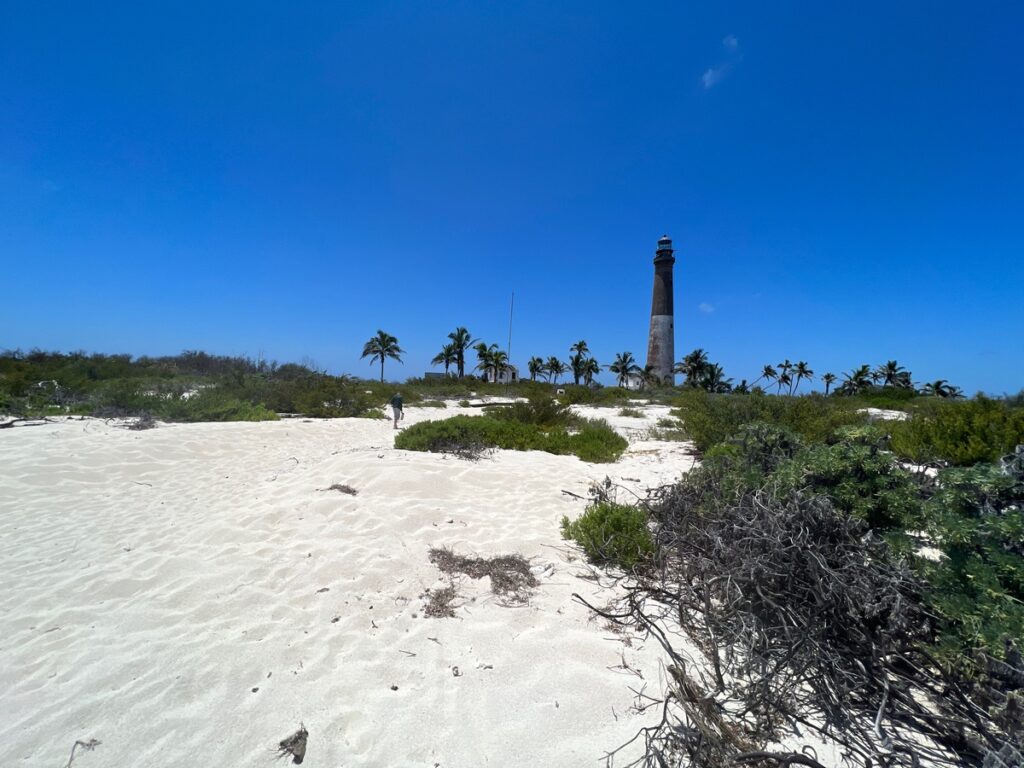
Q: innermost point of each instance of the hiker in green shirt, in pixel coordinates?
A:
(396, 408)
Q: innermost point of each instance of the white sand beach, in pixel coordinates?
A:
(189, 594)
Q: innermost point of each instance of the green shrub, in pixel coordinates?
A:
(595, 441)
(763, 447)
(744, 462)
(210, 405)
(542, 410)
(599, 396)
(709, 419)
(575, 395)
(631, 413)
(891, 398)
(960, 433)
(463, 403)
(860, 479)
(451, 388)
(612, 534)
(976, 518)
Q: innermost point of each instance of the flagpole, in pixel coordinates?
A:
(511, 308)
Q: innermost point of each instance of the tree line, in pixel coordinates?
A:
(696, 368)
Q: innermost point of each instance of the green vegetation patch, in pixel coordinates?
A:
(959, 432)
(972, 518)
(592, 441)
(710, 419)
(612, 534)
(861, 480)
(976, 518)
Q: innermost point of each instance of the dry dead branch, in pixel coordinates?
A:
(294, 746)
(88, 746)
(806, 624)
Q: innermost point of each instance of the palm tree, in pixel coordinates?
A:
(892, 374)
(768, 373)
(713, 379)
(692, 366)
(801, 372)
(784, 380)
(381, 347)
(624, 367)
(940, 388)
(555, 368)
(445, 357)
(590, 369)
(829, 379)
(462, 340)
(856, 381)
(492, 362)
(499, 362)
(742, 388)
(578, 359)
(784, 367)
(536, 367)
(648, 377)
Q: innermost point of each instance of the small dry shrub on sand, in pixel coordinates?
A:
(439, 602)
(341, 488)
(511, 578)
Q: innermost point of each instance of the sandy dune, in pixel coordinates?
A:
(187, 595)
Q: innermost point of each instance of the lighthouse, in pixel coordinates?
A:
(661, 344)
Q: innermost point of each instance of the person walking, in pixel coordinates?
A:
(396, 408)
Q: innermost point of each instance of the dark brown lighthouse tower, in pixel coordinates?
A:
(661, 345)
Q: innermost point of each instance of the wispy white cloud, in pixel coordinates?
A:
(706, 308)
(714, 75)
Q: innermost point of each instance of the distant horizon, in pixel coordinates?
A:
(843, 185)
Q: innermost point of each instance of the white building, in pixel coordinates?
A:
(634, 381)
(507, 375)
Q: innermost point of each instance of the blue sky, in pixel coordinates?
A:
(844, 182)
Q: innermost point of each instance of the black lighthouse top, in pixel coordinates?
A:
(664, 252)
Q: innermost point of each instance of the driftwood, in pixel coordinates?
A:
(88, 746)
(25, 422)
(806, 624)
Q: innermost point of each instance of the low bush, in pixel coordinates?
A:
(597, 442)
(891, 398)
(860, 479)
(709, 419)
(798, 609)
(541, 410)
(612, 533)
(763, 447)
(594, 441)
(976, 518)
(631, 413)
(175, 402)
(959, 433)
(612, 396)
(210, 405)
